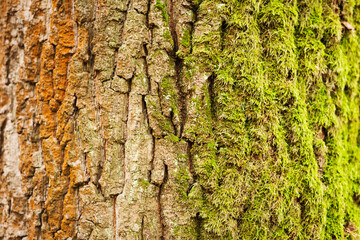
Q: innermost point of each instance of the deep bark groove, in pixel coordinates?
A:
(161, 220)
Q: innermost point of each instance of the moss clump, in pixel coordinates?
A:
(167, 36)
(162, 8)
(186, 38)
(276, 141)
(172, 138)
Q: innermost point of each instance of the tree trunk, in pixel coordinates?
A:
(179, 119)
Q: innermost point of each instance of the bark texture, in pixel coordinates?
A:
(83, 154)
(179, 119)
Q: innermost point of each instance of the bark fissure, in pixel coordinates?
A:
(116, 52)
(198, 226)
(211, 81)
(147, 68)
(2, 137)
(8, 68)
(222, 35)
(190, 161)
(142, 228)
(161, 217)
(114, 197)
(172, 116)
(194, 9)
(152, 158)
(9, 207)
(178, 68)
(147, 21)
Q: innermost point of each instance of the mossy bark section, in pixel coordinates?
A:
(274, 119)
(175, 119)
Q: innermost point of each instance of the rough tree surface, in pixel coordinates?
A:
(179, 119)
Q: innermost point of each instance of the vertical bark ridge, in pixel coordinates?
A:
(99, 119)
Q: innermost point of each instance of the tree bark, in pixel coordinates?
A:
(179, 119)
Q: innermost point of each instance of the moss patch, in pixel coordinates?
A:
(276, 141)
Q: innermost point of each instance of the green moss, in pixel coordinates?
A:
(168, 37)
(276, 134)
(170, 93)
(172, 138)
(186, 38)
(162, 8)
(157, 52)
(144, 183)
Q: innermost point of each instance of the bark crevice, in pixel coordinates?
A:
(161, 187)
